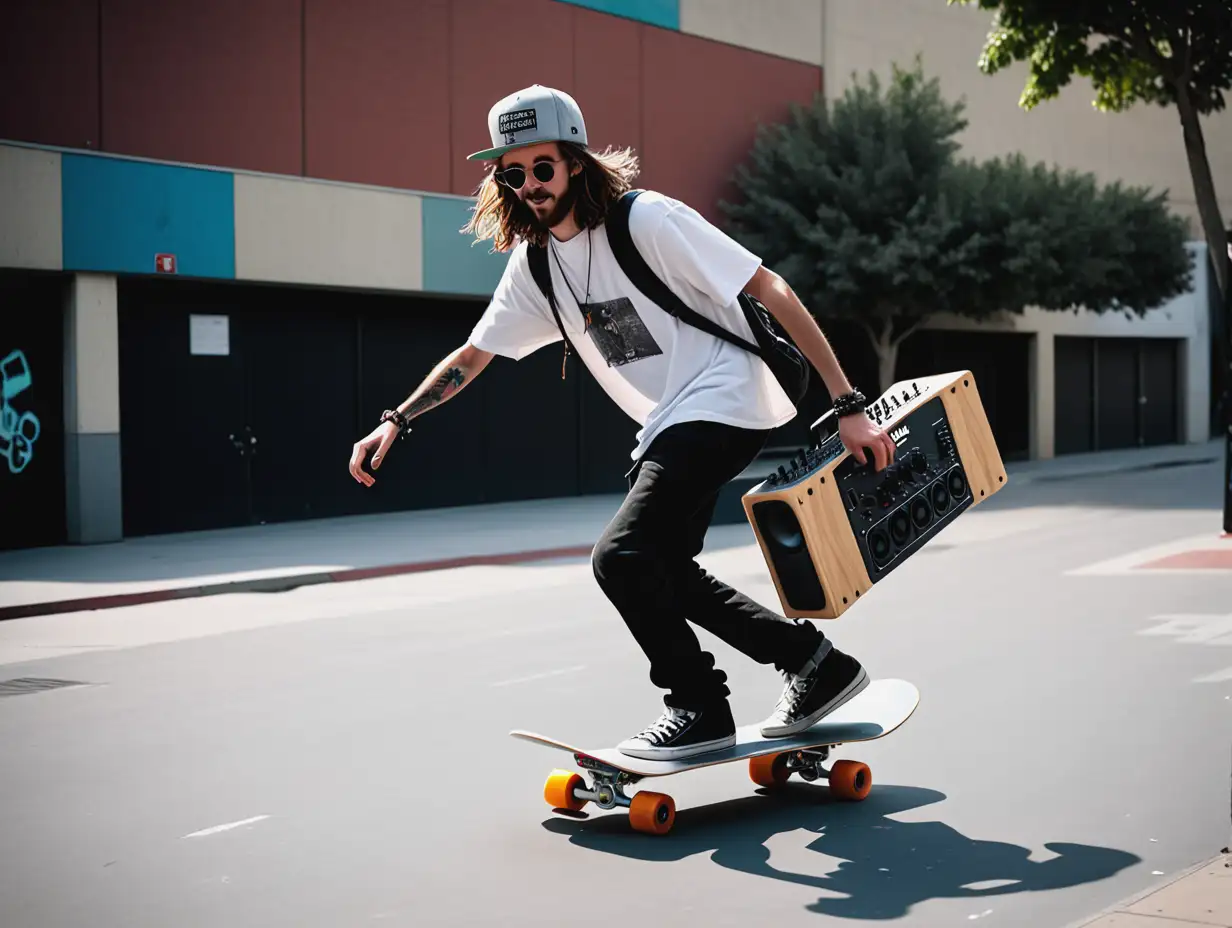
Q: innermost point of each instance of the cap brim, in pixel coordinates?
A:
(490, 153)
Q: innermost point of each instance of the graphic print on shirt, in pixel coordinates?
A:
(618, 332)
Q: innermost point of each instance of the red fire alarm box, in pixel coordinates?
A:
(164, 264)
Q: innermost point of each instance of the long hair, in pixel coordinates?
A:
(500, 215)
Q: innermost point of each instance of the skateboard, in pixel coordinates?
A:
(875, 712)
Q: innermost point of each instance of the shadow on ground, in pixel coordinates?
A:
(886, 868)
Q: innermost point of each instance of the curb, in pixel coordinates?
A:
(283, 583)
(1111, 469)
(728, 511)
(1152, 889)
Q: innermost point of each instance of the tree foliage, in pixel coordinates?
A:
(1167, 52)
(868, 212)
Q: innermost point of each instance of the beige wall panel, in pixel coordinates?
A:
(788, 28)
(92, 355)
(330, 234)
(30, 213)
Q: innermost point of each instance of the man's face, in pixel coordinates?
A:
(548, 200)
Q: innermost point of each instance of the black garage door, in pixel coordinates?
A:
(232, 411)
(252, 418)
(999, 361)
(1116, 393)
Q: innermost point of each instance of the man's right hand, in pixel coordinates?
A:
(376, 441)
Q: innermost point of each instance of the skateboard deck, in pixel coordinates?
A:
(881, 708)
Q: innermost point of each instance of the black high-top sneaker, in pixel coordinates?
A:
(684, 733)
(813, 693)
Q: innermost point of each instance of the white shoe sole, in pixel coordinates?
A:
(677, 753)
(784, 731)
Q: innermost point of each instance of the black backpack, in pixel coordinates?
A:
(774, 345)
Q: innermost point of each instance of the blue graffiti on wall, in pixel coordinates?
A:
(17, 433)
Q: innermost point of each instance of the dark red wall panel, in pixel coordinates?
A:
(701, 103)
(500, 46)
(49, 72)
(376, 91)
(214, 83)
(607, 55)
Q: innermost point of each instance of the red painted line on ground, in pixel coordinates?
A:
(282, 583)
(1206, 559)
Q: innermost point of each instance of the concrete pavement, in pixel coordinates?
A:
(308, 758)
(272, 558)
(1201, 895)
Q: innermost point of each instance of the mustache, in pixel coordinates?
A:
(522, 211)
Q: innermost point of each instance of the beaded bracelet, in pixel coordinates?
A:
(401, 421)
(850, 404)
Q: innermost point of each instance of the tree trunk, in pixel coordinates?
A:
(1217, 244)
(887, 363)
(886, 347)
(1204, 188)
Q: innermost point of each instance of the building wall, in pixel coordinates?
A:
(386, 93)
(1142, 146)
(320, 145)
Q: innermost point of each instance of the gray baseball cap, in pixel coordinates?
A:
(535, 114)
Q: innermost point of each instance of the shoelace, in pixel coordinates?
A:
(668, 725)
(792, 694)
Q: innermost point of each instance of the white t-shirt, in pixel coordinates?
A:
(660, 370)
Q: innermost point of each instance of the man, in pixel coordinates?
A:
(706, 407)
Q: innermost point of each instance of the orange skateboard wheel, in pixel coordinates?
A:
(769, 770)
(850, 779)
(653, 813)
(558, 790)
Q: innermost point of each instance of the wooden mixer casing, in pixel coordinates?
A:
(830, 528)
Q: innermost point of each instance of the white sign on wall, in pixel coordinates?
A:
(209, 335)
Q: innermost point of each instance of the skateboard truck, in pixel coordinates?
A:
(607, 791)
(649, 812)
(806, 764)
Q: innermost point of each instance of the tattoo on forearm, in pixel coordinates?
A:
(449, 382)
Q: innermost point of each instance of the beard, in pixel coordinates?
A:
(526, 215)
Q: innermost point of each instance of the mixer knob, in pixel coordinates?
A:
(782, 473)
(918, 461)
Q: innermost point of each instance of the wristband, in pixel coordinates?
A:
(403, 424)
(850, 404)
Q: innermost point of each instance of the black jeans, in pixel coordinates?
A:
(645, 564)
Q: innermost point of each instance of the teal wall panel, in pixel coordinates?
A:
(119, 214)
(665, 13)
(453, 262)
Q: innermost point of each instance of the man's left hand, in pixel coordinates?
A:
(859, 432)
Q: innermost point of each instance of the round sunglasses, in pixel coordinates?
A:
(514, 178)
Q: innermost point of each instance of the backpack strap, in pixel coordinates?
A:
(649, 283)
(537, 257)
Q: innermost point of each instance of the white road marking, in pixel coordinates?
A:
(218, 828)
(1196, 628)
(540, 676)
(1223, 676)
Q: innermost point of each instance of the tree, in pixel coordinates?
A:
(870, 216)
(1165, 52)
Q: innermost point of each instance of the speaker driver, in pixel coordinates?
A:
(957, 483)
(921, 513)
(780, 524)
(900, 526)
(879, 546)
(939, 497)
